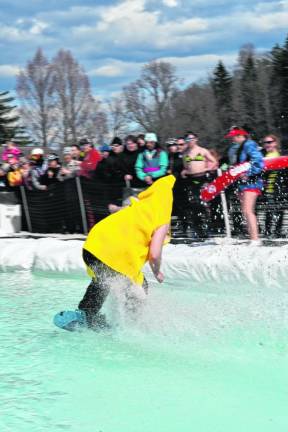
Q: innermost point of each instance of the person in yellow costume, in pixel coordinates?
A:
(119, 246)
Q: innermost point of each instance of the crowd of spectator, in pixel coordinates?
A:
(137, 161)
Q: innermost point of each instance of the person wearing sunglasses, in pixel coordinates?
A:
(250, 185)
(273, 188)
(198, 162)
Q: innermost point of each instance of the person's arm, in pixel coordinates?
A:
(36, 183)
(163, 162)
(155, 251)
(139, 167)
(212, 162)
(256, 158)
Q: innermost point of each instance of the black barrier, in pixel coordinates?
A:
(56, 210)
(75, 205)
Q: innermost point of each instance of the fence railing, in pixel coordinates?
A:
(75, 205)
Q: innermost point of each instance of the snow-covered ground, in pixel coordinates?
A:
(203, 265)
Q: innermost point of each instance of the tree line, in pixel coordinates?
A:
(57, 104)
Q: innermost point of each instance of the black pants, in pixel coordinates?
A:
(99, 288)
(274, 214)
(195, 212)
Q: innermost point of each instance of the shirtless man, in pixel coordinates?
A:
(197, 162)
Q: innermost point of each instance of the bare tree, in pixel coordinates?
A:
(95, 128)
(75, 102)
(35, 92)
(148, 100)
(194, 110)
(117, 115)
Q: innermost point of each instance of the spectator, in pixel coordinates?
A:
(141, 142)
(152, 163)
(25, 168)
(38, 168)
(197, 162)
(14, 175)
(70, 167)
(52, 174)
(91, 159)
(272, 189)
(129, 158)
(175, 158)
(182, 145)
(10, 148)
(3, 176)
(76, 152)
(105, 151)
(110, 170)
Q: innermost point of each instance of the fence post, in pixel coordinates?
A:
(26, 208)
(82, 206)
(225, 209)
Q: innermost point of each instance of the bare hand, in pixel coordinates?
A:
(244, 177)
(128, 177)
(160, 277)
(148, 180)
(183, 174)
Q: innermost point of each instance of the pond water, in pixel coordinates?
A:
(203, 359)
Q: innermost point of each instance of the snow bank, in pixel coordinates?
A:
(202, 267)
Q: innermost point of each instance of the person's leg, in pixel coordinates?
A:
(93, 299)
(248, 202)
(98, 288)
(269, 215)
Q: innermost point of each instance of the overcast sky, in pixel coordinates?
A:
(113, 39)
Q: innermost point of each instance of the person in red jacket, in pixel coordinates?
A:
(91, 158)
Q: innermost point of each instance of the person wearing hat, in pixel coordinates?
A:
(116, 250)
(52, 174)
(39, 166)
(251, 184)
(91, 159)
(105, 150)
(153, 162)
(70, 167)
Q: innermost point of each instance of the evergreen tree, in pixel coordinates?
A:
(279, 56)
(7, 117)
(222, 88)
(253, 115)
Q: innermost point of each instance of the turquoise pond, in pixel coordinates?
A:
(197, 358)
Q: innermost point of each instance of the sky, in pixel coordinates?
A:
(113, 39)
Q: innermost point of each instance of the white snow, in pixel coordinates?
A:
(206, 265)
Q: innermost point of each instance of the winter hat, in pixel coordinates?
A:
(116, 141)
(105, 148)
(37, 151)
(52, 157)
(150, 136)
(171, 142)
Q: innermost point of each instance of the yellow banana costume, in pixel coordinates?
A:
(121, 241)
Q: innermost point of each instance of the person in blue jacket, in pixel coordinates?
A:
(250, 185)
(153, 162)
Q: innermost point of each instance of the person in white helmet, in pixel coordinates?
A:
(39, 168)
